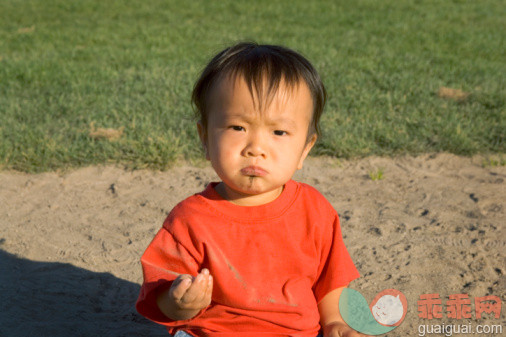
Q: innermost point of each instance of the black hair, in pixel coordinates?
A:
(262, 66)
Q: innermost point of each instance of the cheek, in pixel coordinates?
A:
(216, 140)
(295, 151)
(226, 145)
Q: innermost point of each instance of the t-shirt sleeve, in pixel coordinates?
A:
(337, 267)
(162, 262)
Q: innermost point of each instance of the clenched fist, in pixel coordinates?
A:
(187, 296)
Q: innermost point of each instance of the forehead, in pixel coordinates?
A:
(234, 94)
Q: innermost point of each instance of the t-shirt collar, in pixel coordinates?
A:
(267, 211)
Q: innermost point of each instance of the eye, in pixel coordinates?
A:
(237, 128)
(280, 133)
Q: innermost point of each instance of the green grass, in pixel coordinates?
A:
(132, 64)
(377, 174)
(494, 161)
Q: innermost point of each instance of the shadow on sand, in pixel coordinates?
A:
(58, 299)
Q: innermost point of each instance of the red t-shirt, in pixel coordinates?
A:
(271, 264)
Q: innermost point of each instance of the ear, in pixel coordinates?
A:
(309, 145)
(203, 137)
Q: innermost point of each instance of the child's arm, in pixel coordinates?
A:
(330, 318)
(187, 296)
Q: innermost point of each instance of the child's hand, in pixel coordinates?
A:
(187, 296)
(331, 319)
(340, 329)
(192, 293)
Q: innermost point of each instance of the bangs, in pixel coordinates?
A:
(263, 73)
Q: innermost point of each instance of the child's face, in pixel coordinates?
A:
(256, 152)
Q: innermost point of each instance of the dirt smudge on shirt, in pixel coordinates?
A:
(217, 255)
(237, 276)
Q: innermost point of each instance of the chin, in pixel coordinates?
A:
(254, 188)
(251, 190)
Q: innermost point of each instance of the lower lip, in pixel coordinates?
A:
(253, 171)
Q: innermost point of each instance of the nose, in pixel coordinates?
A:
(255, 146)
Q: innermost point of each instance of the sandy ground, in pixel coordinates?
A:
(70, 242)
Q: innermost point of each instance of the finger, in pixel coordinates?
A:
(207, 281)
(209, 291)
(182, 277)
(205, 296)
(355, 333)
(197, 288)
(210, 282)
(205, 284)
(180, 286)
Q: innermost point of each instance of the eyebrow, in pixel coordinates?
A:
(275, 121)
(284, 121)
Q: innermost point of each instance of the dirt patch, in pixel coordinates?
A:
(72, 242)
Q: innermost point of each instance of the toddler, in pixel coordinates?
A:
(256, 254)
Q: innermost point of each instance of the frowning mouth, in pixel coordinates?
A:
(254, 171)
